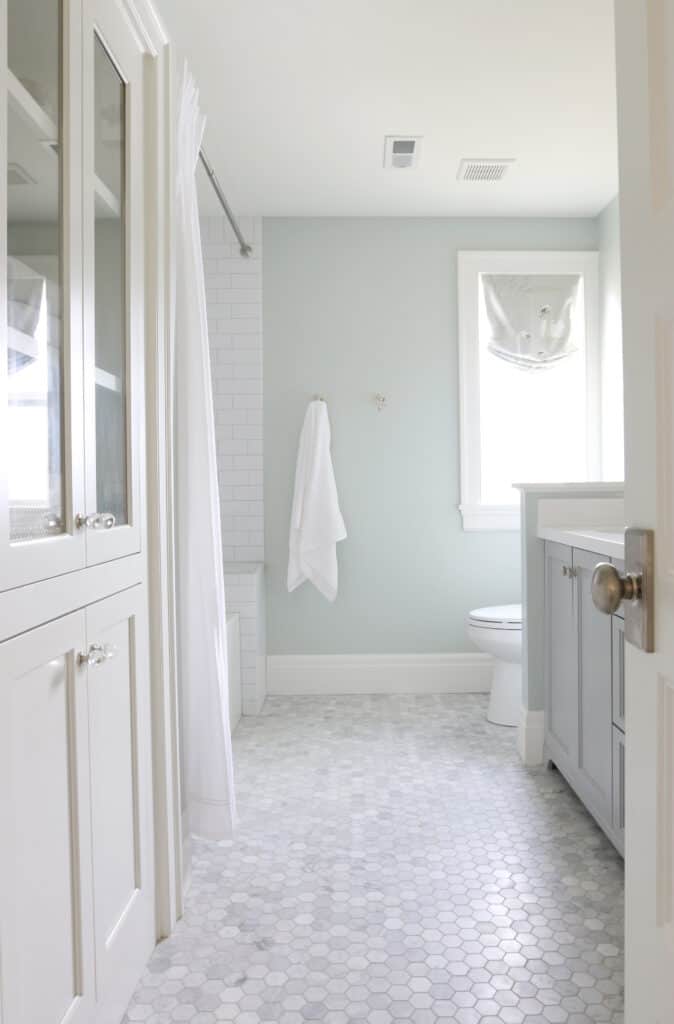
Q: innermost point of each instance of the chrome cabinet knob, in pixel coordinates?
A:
(95, 521)
(96, 654)
(610, 589)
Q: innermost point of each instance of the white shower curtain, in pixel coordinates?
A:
(202, 634)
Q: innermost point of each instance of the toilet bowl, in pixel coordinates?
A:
(498, 632)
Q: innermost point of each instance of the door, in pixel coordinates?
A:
(595, 733)
(645, 73)
(46, 935)
(561, 659)
(113, 280)
(41, 468)
(121, 788)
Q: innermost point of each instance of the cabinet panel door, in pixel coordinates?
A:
(619, 788)
(120, 728)
(618, 671)
(561, 653)
(46, 921)
(113, 310)
(41, 457)
(595, 686)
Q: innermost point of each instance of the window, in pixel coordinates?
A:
(530, 378)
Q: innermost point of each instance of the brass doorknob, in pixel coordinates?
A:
(610, 589)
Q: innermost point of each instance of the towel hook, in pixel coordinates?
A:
(319, 398)
(380, 401)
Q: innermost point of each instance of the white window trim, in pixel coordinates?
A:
(475, 514)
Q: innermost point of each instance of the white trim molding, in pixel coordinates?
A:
(471, 265)
(530, 734)
(378, 673)
(490, 517)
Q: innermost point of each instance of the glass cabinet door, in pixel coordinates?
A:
(113, 282)
(40, 332)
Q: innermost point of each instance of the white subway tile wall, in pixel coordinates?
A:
(244, 594)
(234, 304)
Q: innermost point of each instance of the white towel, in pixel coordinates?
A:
(316, 525)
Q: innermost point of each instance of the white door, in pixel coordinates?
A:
(645, 69)
(41, 458)
(121, 789)
(46, 934)
(113, 280)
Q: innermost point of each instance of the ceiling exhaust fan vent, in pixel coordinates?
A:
(483, 170)
(402, 151)
(18, 175)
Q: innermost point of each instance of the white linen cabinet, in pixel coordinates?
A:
(77, 916)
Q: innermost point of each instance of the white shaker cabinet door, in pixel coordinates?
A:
(41, 360)
(113, 190)
(46, 935)
(121, 810)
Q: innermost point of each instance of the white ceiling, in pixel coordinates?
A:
(299, 95)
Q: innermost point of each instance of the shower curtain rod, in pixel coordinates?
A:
(244, 248)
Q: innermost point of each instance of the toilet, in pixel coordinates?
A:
(498, 631)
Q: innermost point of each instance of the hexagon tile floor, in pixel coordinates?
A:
(394, 862)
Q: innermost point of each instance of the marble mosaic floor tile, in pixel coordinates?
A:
(394, 862)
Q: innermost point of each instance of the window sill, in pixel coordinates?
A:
(490, 517)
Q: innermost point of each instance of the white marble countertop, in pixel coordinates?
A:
(609, 542)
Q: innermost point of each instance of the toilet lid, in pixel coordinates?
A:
(504, 616)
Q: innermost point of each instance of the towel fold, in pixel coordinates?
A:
(316, 524)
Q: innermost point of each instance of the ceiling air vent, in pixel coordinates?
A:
(483, 170)
(401, 151)
(18, 175)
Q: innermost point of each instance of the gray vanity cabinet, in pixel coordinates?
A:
(584, 685)
(561, 657)
(595, 727)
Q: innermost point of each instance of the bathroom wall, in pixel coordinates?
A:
(234, 302)
(358, 306)
(613, 441)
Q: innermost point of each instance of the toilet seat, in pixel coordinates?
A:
(505, 616)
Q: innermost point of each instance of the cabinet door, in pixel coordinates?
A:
(594, 691)
(561, 655)
(618, 671)
(113, 280)
(46, 933)
(619, 788)
(42, 452)
(120, 729)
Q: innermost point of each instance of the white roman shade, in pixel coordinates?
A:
(530, 317)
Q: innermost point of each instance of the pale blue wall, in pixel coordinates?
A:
(352, 307)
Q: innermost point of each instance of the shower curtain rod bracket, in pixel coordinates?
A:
(244, 248)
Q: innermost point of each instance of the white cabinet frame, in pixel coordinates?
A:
(47, 591)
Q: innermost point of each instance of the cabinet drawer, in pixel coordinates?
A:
(619, 789)
(618, 671)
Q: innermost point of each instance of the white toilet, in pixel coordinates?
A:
(498, 631)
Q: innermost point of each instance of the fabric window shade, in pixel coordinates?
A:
(531, 317)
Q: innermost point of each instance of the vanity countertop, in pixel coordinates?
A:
(609, 542)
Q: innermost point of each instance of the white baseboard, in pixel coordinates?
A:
(378, 673)
(530, 735)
